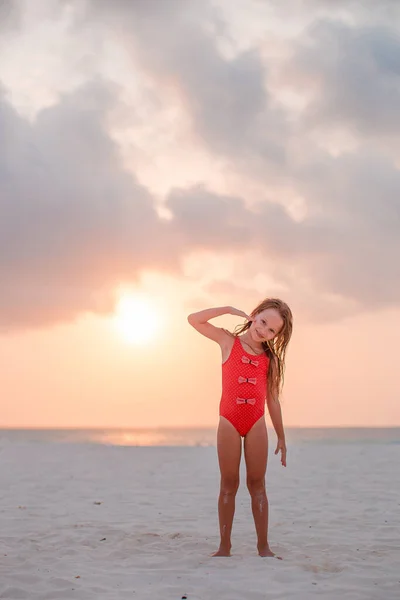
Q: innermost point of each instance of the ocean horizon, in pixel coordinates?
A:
(190, 436)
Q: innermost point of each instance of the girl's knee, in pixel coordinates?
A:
(256, 487)
(229, 485)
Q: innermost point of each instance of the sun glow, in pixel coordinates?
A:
(136, 319)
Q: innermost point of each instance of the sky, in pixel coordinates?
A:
(162, 157)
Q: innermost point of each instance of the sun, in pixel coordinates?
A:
(136, 319)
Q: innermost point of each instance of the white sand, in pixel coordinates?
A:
(334, 517)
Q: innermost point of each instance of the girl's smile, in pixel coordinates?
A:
(266, 325)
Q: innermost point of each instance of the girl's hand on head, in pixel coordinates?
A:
(281, 447)
(239, 313)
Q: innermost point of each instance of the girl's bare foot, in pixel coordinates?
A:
(222, 552)
(265, 551)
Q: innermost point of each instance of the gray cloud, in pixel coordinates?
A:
(359, 199)
(70, 217)
(73, 222)
(355, 72)
(10, 13)
(359, 10)
(347, 248)
(227, 98)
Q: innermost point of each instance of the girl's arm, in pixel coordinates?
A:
(275, 412)
(200, 322)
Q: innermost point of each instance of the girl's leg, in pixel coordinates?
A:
(229, 446)
(256, 453)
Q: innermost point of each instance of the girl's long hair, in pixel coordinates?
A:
(275, 348)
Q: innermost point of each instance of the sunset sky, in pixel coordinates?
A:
(158, 157)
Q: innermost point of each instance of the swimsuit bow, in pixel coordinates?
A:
(252, 380)
(245, 401)
(248, 361)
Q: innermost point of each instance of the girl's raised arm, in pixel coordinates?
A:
(200, 322)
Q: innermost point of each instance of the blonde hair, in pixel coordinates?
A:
(275, 348)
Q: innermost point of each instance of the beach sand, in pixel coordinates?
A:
(87, 521)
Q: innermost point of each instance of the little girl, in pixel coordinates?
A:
(253, 360)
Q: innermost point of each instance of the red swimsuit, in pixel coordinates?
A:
(244, 387)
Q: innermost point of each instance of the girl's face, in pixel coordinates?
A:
(266, 325)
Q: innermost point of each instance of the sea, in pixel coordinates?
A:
(191, 436)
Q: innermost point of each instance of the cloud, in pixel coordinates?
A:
(345, 249)
(9, 15)
(359, 196)
(354, 10)
(354, 74)
(74, 222)
(227, 98)
(71, 218)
